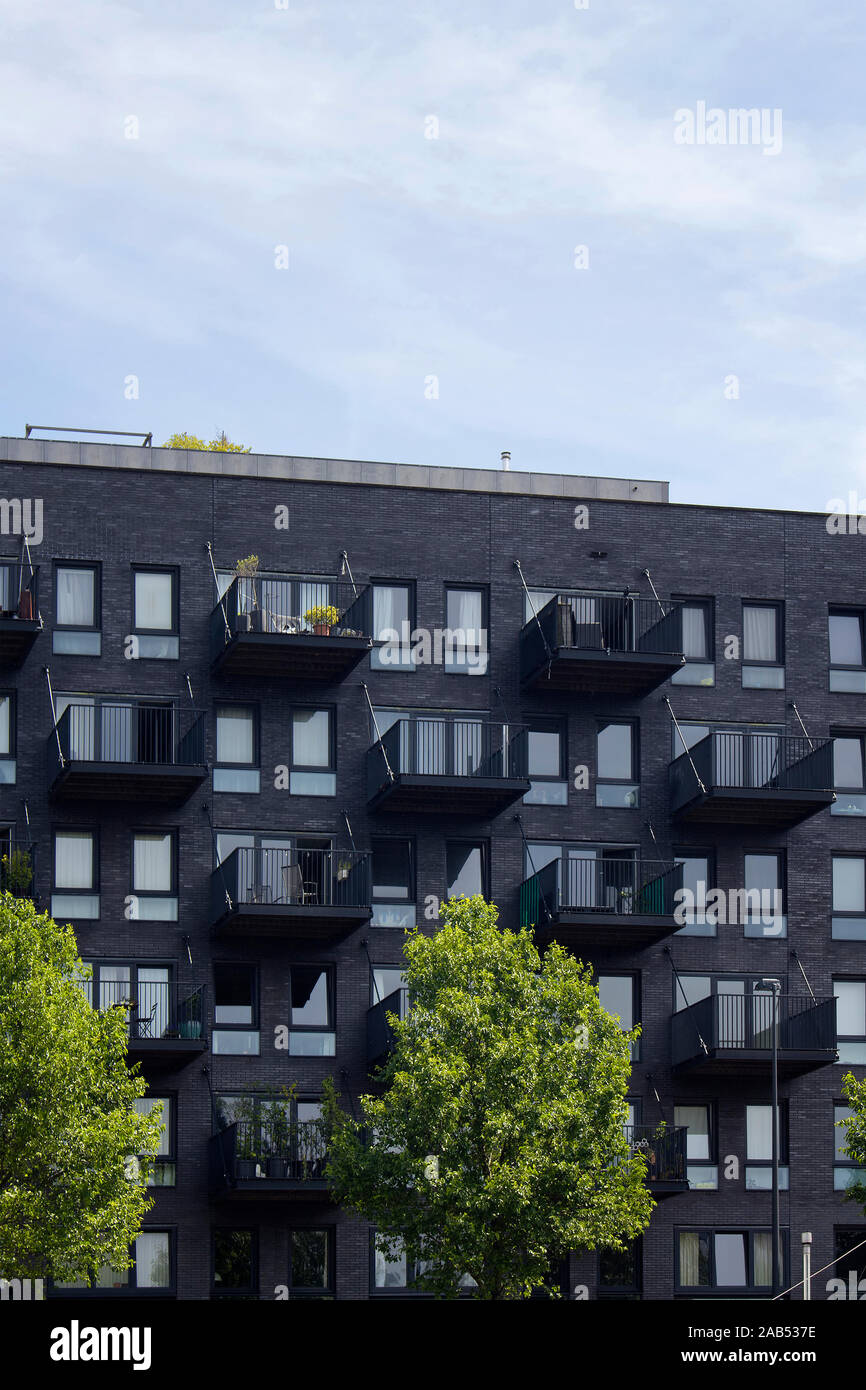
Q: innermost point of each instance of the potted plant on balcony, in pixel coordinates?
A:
(322, 618)
(16, 873)
(247, 569)
(189, 1017)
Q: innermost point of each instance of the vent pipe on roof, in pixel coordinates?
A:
(506, 459)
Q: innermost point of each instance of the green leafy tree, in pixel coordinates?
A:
(497, 1146)
(70, 1200)
(221, 445)
(855, 1133)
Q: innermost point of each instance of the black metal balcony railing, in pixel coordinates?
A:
(662, 1148)
(292, 879)
(290, 1153)
(159, 1010)
(380, 1033)
(743, 767)
(628, 887)
(606, 626)
(467, 754)
(19, 592)
(744, 1024)
(129, 733)
(279, 606)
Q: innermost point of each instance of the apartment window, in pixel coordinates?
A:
(77, 618)
(277, 1137)
(152, 1271)
(847, 665)
(313, 768)
(237, 752)
(385, 980)
(534, 601)
(845, 1173)
(235, 1263)
(851, 1020)
(162, 1163)
(311, 991)
(697, 882)
(311, 1262)
(620, 1272)
(145, 989)
(8, 764)
(849, 897)
(741, 1259)
(617, 763)
(763, 652)
(236, 1011)
(759, 1147)
(850, 1266)
(155, 614)
(618, 994)
(393, 624)
(75, 890)
(764, 909)
(546, 765)
(394, 1271)
(465, 650)
(702, 1168)
(154, 876)
(700, 667)
(466, 868)
(393, 883)
(848, 778)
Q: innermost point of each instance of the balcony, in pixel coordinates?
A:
(663, 1149)
(297, 894)
(20, 623)
(254, 1161)
(127, 751)
(269, 626)
(772, 780)
(448, 765)
(597, 644)
(601, 903)
(380, 1034)
(166, 1020)
(732, 1034)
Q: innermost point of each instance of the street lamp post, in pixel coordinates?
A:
(775, 986)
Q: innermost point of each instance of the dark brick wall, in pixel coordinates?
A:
(122, 517)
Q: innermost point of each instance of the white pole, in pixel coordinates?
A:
(806, 1238)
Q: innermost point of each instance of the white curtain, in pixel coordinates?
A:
(234, 736)
(694, 634)
(73, 859)
(697, 1139)
(153, 1003)
(390, 608)
(152, 863)
(759, 634)
(75, 597)
(731, 1260)
(851, 1008)
(152, 1260)
(5, 726)
(759, 1132)
(311, 738)
(690, 1246)
(763, 1255)
(113, 985)
(153, 606)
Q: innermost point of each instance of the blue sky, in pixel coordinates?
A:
(453, 258)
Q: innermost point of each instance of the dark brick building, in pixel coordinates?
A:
(239, 841)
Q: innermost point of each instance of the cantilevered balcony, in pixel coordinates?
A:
(595, 644)
(127, 751)
(19, 612)
(732, 1034)
(772, 780)
(167, 1021)
(448, 765)
(297, 894)
(303, 628)
(380, 1033)
(602, 903)
(663, 1149)
(250, 1160)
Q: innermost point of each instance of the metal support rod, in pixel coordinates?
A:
(535, 616)
(775, 987)
(145, 436)
(388, 767)
(345, 566)
(795, 957)
(54, 717)
(349, 830)
(649, 579)
(688, 752)
(220, 597)
(667, 951)
(802, 725)
(229, 903)
(189, 686)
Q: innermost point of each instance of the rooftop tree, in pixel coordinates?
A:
(70, 1200)
(221, 445)
(497, 1145)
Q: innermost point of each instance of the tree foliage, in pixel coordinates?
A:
(497, 1145)
(69, 1199)
(221, 445)
(855, 1133)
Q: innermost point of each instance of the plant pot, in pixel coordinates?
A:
(322, 629)
(190, 1028)
(245, 1167)
(276, 1167)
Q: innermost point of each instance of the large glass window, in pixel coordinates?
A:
(618, 995)
(759, 1147)
(845, 1174)
(162, 1164)
(726, 1259)
(617, 761)
(849, 897)
(393, 883)
(311, 991)
(851, 1020)
(237, 755)
(154, 876)
(152, 1270)
(236, 1030)
(764, 908)
(311, 1262)
(700, 668)
(847, 665)
(313, 757)
(466, 868)
(696, 882)
(393, 623)
(76, 610)
(848, 778)
(75, 892)
(620, 1272)
(235, 1259)
(702, 1168)
(763, 657)
(8, 765)
(465, 648)
(546, 765)
(155, 613)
